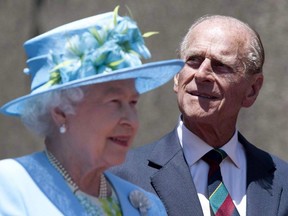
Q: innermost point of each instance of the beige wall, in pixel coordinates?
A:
(265, 124)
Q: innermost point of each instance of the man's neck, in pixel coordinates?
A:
(215, 136)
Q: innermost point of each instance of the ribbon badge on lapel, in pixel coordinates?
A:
(140, 201)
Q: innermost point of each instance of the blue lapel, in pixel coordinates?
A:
(123, 190)
(51, 183)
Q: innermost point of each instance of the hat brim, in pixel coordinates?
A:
(147, 77)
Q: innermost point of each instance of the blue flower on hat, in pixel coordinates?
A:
(100, 49)
(129, 37)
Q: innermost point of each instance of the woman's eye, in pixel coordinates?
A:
(134, 102)
(115, 101)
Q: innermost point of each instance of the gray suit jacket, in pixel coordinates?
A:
(161, 168)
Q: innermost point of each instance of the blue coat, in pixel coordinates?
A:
(32, 186)
(161, 169)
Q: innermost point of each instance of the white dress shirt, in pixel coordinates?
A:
(233, 167)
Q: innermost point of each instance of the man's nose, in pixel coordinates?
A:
(205, 71)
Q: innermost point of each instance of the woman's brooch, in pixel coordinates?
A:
(140, 201)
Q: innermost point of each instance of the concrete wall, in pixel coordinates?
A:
(265, 124)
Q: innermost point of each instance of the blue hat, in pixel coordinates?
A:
(96, 49)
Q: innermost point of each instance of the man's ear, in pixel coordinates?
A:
(58, 116)
(253, 91)
(175, 87)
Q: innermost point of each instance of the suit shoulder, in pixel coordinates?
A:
(280, 164)
(260, 159)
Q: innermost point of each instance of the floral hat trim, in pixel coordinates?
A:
(101, 49)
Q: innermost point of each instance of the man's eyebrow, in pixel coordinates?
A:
(194, 52)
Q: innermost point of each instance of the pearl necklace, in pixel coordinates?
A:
(103, 191)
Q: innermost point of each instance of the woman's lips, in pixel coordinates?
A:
(121, 140)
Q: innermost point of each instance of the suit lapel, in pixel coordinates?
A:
(263, 196)
(173, 180)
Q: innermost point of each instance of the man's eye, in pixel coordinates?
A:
(220, 68)
(194, 61)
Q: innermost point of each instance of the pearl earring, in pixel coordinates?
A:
(62, 129)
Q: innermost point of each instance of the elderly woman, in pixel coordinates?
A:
(86, 80)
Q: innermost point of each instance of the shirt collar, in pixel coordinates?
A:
(194, 147)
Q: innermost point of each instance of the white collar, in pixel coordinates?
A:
(194, 147)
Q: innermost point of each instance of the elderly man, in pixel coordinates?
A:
(205, 166)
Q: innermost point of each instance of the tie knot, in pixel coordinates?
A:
(215, 156)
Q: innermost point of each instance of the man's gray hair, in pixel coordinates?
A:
(254, 56)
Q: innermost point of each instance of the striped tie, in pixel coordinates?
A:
(220, 201)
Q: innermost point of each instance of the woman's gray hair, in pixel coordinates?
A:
(254, 56)
(37, 112)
